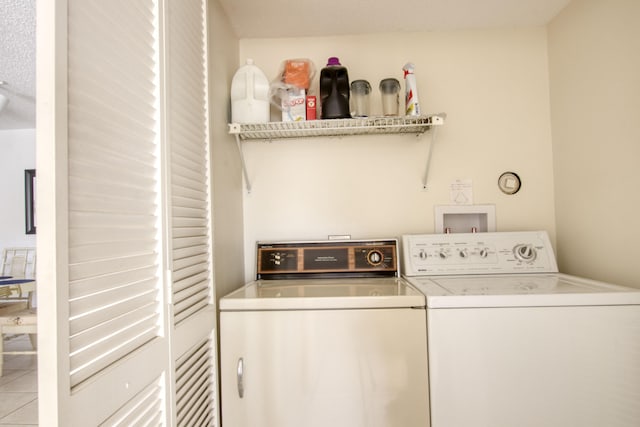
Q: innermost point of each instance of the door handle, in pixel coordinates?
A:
(240, 377)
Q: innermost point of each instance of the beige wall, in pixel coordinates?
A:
(492, 84)
(227, 178)
(594, 62)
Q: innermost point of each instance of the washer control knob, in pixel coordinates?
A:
(422, 254)
(484, 252)
(443, 255)
(375, 257)
(525, 252)
(463, 253)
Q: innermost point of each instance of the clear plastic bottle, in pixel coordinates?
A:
(334, 90)
(360, 90)
(250, 95)
(390, 90)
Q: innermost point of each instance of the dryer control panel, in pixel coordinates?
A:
(478, 253)
(344, 258)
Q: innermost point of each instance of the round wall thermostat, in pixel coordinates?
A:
(509, 183)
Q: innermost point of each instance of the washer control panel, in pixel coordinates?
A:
(478, 253)
(345, 258)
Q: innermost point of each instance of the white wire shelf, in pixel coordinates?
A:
(336, 127)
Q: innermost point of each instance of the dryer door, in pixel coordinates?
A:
(324, 368)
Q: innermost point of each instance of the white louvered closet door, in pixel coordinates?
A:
(193, 320)
(126, 307)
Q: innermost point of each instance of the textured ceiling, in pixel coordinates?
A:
(274, 18)
(18, 63)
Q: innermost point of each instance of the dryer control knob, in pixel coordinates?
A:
(443, 255)
(375, 257)
(525, 252)
(463, 253)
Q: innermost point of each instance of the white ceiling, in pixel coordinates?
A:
(275, 18)
(18, 63)
(286, 18)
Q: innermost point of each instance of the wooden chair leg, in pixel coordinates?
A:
(34, 341)
(1, 350)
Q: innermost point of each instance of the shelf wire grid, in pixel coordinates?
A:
(336, 127)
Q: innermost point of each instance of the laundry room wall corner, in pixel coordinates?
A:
(594, 67)
(226, 174)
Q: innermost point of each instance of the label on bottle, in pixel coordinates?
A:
(311, 107)
(294, 107)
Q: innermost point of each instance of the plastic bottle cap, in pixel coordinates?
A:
(409, 66)
(249, 61)
(333, 61)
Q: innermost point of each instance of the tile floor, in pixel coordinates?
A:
(19, 385)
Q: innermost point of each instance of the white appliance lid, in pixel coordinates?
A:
(310, 294)
(520, 290)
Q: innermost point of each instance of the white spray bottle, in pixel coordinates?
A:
(412, 106)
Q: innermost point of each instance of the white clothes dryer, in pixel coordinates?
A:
(327, 335)
(512, 342)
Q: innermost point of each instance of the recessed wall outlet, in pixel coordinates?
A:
(465, 219)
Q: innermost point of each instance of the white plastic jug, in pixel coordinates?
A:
(250, 95)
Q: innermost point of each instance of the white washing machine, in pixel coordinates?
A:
(328, 335)
(512, 342)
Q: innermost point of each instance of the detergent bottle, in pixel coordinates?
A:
(334, 90)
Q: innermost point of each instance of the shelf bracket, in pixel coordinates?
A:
(245, 174)
(425, 177)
